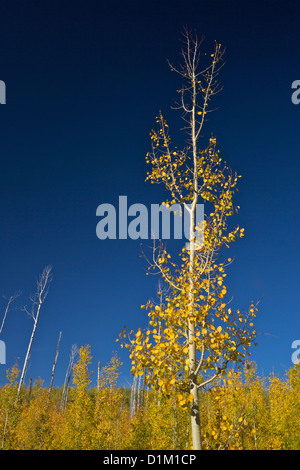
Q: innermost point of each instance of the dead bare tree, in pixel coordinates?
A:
(98, 377)
(9, 302)
(54, 366)
(64, 397)
(37, 301)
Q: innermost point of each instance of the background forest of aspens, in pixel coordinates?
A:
(242, 411)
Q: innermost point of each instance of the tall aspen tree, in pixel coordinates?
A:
(193, 334)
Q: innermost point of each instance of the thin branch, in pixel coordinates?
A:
(10, 301)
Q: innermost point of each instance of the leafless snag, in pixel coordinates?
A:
(65, 392)
(54, 366)
(37, 300)
(11, 299)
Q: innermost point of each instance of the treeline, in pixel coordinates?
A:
(241, 411)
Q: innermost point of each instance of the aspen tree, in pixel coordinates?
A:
(193, 335)
(37, 301)
(80, 411)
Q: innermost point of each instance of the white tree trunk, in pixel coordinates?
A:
(28, 352)
(37, 301)
(54, 366)
(195, 414)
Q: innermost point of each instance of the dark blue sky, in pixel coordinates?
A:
(85, 80)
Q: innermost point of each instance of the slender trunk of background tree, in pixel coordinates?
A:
(10, 300)
(65, 391)
(28, 353)
(44, 414)
(54, 366)
(37, 302)
(143, 394)
(138, 405)
(98, 377)
(133, 397)
(5, 314)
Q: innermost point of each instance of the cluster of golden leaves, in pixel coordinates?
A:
(161, 351)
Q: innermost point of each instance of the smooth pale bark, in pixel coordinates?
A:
(195, 413)
(191, 60)
(54, 366)
(38, 300)
(98, 377)
(65, 391)
(28, 351)
(5, 313)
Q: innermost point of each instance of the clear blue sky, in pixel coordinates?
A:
(85, 80)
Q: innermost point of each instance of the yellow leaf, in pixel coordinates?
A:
(191, 398)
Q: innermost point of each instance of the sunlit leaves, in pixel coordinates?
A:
(239, 411)
(197, 291)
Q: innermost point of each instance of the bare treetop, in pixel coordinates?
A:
(42, 289)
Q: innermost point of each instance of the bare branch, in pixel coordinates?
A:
(11, 299)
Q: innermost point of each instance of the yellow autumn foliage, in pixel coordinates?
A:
(240, 411)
